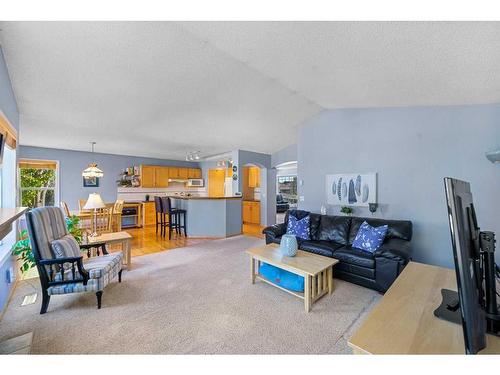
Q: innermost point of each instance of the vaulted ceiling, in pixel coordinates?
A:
(161, 89)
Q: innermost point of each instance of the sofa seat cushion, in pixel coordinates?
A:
(325, 248)
(354, 256)
(353, 269)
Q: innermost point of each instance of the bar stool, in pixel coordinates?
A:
(174, 214)
(180, 213)
(159, 213)
(167, 210)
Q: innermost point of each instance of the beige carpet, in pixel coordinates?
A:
(192, 300)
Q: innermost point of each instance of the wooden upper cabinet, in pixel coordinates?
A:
(254, 177)
(161, 177)
(194, 173)
(183, 173)
(173, 172)
(156, 176)
(147, 176)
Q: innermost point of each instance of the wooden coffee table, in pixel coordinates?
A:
(317, 271)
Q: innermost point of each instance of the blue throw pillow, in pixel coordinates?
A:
(369, 238)
(299, 228)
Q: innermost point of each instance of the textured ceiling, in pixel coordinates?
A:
(161, 89)
(145, 89)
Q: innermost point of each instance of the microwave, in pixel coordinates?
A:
(195, 182)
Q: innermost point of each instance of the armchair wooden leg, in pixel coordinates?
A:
(120, 276)
(45, 302)
(99, 299)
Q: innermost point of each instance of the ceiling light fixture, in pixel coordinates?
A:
(92, 171)
(193, 156)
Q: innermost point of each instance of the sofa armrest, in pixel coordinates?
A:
(396, 249)
(275, 230)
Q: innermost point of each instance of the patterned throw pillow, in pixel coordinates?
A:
(369, 238)
(66, 247)
(299, 228)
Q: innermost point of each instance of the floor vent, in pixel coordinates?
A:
(29, 299)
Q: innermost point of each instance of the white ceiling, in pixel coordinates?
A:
(161, 89)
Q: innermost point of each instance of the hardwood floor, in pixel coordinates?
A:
(146, 241)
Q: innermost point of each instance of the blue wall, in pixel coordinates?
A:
(412, 149)
(7, 99)
(284, 155)
(72, 163)
(9, 107)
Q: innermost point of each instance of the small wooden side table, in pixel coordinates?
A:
(122, 238)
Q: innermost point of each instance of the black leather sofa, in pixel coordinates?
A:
(281, 204)
(332, 236)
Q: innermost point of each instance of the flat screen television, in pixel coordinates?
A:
(466, 253)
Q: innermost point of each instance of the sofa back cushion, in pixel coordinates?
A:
(401, 229)
(334, 228)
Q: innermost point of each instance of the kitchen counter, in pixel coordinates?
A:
(200, 197)
(210, 217)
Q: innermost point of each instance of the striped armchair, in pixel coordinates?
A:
(59, 259)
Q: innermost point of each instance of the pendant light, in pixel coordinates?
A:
(92, 170)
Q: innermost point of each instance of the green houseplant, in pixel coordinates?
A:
(346, 210)
(22, 248)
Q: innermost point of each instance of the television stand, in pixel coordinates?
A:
(449, 310)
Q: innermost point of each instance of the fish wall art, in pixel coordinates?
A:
(355, 189)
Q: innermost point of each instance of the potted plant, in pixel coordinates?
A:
(346, 210)
(22, 248)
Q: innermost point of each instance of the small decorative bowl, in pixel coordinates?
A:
(288, 245)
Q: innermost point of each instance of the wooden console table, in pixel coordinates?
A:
(404, 323)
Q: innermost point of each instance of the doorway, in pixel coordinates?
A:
(286, 189)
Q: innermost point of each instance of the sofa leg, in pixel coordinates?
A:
(45, 302)
(99, 299)
(120, 276)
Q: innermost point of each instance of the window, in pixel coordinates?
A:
(287, 187)
(38, 183)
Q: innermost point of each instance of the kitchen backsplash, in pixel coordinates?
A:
(129, 194)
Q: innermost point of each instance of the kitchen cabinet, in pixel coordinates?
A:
(154, 176)
(173, 172)
(254, 177)
(194, 173)
(147, 176)
(161, 177)
(149, 213)
(251, 212)
(183, 173)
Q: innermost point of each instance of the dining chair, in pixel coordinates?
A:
(103, 221)
(117, 214)
(81, 203)
(65, 208)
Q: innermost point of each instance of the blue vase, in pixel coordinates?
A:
(288, 245)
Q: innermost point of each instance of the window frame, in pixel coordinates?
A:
(57, 198)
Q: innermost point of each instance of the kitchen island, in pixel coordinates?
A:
(210, 217)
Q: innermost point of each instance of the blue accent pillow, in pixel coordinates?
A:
(369, 238)
(282, 278)
(299, 228)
